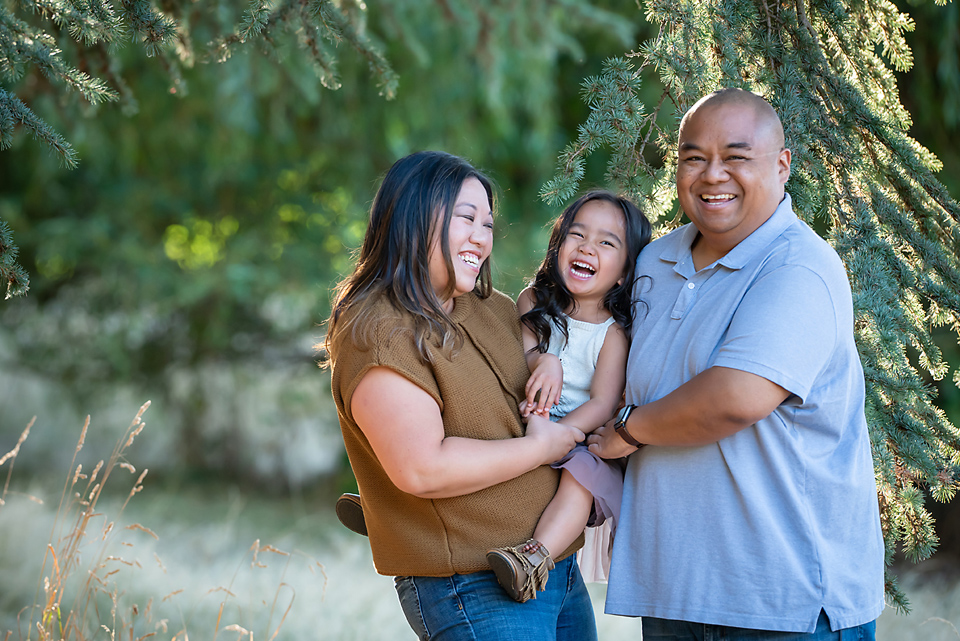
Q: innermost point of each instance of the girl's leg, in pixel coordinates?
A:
(565, 516)
(524, 570)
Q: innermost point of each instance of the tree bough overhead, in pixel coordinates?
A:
(53, 36)
(59, 60)
(858, 178)
(63, 41)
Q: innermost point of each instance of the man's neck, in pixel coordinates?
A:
(705, 254)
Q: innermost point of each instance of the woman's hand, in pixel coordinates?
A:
(553, 439)
(526, 410)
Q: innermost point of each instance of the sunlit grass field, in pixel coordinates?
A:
(120, 558)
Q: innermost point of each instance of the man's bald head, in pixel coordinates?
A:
(732, 168)
(765, 116)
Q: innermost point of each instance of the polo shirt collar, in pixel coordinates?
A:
(740, 255)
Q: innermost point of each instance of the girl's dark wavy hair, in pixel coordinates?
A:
(551, 298)
(413, 204)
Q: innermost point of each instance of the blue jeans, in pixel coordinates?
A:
(473, 607)
(669, 630)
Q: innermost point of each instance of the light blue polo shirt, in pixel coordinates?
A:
(765, 527)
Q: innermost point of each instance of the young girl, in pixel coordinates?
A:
(576, 317)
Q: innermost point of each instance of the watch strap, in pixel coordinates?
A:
(620, 427)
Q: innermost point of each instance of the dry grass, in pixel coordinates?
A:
(91, 581)
(933, 588)
(146, 570)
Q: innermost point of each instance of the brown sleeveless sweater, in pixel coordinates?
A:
(478, 391)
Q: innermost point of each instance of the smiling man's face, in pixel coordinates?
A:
(731, 171)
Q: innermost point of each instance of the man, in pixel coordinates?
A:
(753, 512)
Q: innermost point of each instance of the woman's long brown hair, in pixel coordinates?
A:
(414, 202)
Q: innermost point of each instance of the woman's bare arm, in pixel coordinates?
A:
(403, 425)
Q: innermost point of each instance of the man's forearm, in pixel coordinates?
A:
(711, 406)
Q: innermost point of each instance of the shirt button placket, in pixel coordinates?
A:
(684, 300)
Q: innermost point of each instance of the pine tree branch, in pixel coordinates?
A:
(891, 221)
(12, 110)
(15, 276)
(155, 29)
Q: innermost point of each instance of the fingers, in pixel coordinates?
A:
(533, 388)
(545, 384)
(598, 449)
(606, 443)
(549, 396)
(542, 395)
(594, 443)
(524, 408)
(557, 438)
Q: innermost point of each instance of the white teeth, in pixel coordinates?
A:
(716, 197)
(583, 266)
(470, 259)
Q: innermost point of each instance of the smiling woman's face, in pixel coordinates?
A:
(470, 243)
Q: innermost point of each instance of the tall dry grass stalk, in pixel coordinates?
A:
(80, 594)
(12, 457)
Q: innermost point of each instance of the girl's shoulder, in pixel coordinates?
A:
(525, 300)
(616, 335)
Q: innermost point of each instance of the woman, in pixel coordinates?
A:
(428, 373)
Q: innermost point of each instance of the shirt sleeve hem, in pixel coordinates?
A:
(785, 381)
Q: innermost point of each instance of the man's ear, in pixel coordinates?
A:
(783, 162)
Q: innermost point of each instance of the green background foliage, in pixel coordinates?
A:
(192, 214)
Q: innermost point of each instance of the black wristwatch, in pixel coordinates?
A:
(620, 427)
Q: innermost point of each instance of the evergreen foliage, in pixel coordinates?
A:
(858, 177)
(61, 40)
(10, 272)
(77, 48)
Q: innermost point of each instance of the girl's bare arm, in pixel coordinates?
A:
(546, 372)
(606, 388)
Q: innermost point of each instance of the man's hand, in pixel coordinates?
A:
(606, 443)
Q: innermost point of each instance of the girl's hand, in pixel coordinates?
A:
(547, 380)
(556, 439)
(526, 410)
